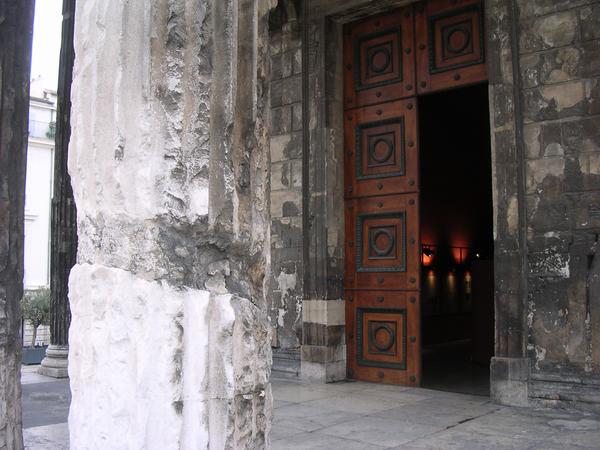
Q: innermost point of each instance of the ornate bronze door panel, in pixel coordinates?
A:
(379, 59)
(382, 216)
(383, 72)
(450, 44)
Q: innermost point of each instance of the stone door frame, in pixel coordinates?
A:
(323, 349)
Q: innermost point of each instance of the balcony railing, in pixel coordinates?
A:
(42, 130)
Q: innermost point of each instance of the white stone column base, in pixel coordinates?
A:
(56, 362)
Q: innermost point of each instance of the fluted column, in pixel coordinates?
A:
(16, 32)
(63, 246)
(169, 342)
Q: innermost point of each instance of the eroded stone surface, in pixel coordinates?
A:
(170, 346)
(16, 28)
(156, 365)
(559, 66)
(287, 268)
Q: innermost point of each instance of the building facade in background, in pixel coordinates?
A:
(38, 196)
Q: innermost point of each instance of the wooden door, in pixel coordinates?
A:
(450, 44)
(382, 267)
(388, 60)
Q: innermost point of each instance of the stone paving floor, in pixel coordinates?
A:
(355, 415)
(45, 403)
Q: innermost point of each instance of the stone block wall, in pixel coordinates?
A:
(559, 56)
(286, 283)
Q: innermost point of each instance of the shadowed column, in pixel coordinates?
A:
(64, 214)
(16, 31)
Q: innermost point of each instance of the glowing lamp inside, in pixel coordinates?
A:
(427, 256)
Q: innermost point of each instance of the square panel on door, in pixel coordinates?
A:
(380, 149)
(382, 250)
(456, 39)
(451, 44)
(379, 59)
(383, 336)
(382, 156)
(381, 242)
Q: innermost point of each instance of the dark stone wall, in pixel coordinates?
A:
(286, 278)
(323, 345)
(559, 57)
(509, 367)
(544, 89)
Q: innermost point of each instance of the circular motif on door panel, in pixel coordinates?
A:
(383, 337)
(379, 59)
(381, 150)
(382, 242)
(458, 39)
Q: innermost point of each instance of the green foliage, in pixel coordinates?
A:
(36, 306)
(51, 133)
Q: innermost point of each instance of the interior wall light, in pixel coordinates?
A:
(427, 255)
(428, 252)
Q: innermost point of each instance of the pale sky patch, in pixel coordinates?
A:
(46, 46)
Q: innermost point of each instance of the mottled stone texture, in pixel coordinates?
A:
(169, 159)
(306, 190)
(560, 70)
(509, 367)
(286, 283)
(16, 28)
(323, 346)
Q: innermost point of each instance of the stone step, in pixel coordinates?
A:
(286, 364)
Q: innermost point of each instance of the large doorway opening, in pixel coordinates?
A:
(396, 64)
(457, 240)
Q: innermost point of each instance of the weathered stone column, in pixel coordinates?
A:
(323, 314)
(169, 338)
(64, 214)
(16, 32)
(509, 368)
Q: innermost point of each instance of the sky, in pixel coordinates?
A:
(46, 45)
